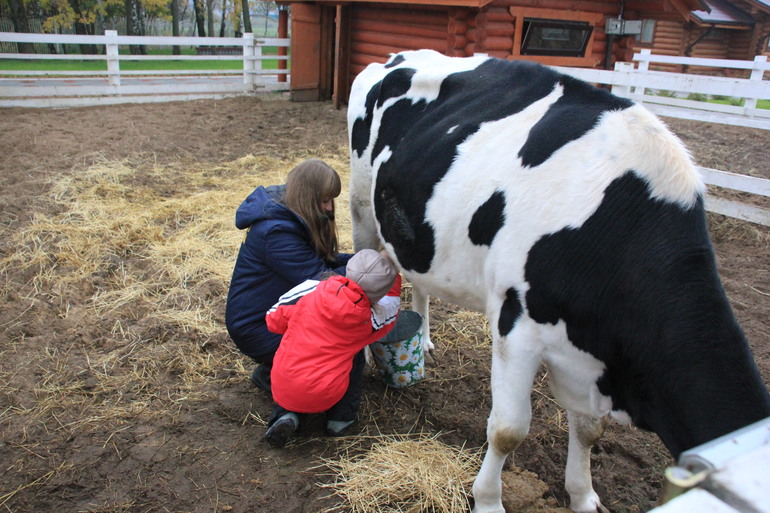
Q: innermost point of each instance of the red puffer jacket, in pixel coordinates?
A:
(321, 334)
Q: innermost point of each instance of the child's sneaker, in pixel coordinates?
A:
(338, 427)
(279, 433)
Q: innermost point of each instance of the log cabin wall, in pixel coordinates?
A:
(377, 30)
(675, 36)
(669, 38)
(593, 12)
(755, 42)
(552, 32)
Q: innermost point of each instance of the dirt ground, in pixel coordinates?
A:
(116, 411)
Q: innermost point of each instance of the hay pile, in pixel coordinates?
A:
(404, 475)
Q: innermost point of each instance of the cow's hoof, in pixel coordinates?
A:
(429, 353)
(590, 504)
(496, 509)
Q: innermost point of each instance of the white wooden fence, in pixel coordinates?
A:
(115, 85)
(667, 93)
(635, 80)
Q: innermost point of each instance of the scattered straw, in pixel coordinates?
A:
(404, 475)
(728, 229)
(139, 258)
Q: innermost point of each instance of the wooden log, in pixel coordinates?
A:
(362, 54)
(422, 18)
(475, 36)
(499, 28)
(500, 54)
(456, 41)
(498, 43)
(398, 28)
(457, 26)
(502, 18)
(386, 47)
(599, 47)
(364, 59)
(395, 40)
(606, 8)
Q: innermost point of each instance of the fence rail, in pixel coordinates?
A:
(669, 94)
(45, 88)
(26, 88)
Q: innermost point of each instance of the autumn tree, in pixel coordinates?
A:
(20, 20)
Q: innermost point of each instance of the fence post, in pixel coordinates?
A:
(113, 59)
(283, 33)
(249, 53)
(643, 65)
(757, 73)
(623, 90)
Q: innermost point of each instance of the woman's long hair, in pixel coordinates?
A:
(307, 186)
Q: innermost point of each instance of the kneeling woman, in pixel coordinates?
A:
(291, 237)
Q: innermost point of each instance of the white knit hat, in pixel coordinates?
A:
(373, 272)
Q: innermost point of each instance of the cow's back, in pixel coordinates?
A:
(477, 159)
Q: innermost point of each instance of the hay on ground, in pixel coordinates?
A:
(400, 474)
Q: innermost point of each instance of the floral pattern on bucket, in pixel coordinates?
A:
(400, 362)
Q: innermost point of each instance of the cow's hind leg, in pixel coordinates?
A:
(513, 371)
(584, 432)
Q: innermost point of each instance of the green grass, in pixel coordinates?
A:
(723, 100)
(87, 65)
(761, 104)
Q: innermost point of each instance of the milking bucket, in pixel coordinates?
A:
(398, 355)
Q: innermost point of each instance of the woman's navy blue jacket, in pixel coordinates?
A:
(276, 255)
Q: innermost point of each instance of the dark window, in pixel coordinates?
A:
(555, 37)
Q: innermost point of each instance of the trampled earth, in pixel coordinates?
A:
(119, 388)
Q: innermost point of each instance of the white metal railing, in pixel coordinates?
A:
(114, 85)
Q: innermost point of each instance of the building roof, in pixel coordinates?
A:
(764, 5)
(453, 3)
(722, 13)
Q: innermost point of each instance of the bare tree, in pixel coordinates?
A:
(246, 17)
(224, 17)
(200, 18)
(135, 24)
(175, 25)
(210, 16)
(264, 9)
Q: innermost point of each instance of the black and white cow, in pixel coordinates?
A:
(574, 219)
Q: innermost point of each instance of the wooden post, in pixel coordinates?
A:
(756, 74)
(283, 33)
(249, 54)
(623, 90)
(113, 59)
(644, 65)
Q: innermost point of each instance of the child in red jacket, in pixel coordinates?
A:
(326, 325)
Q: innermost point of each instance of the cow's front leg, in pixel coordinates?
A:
(584, 432)
(513, 371)
(421, 305)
